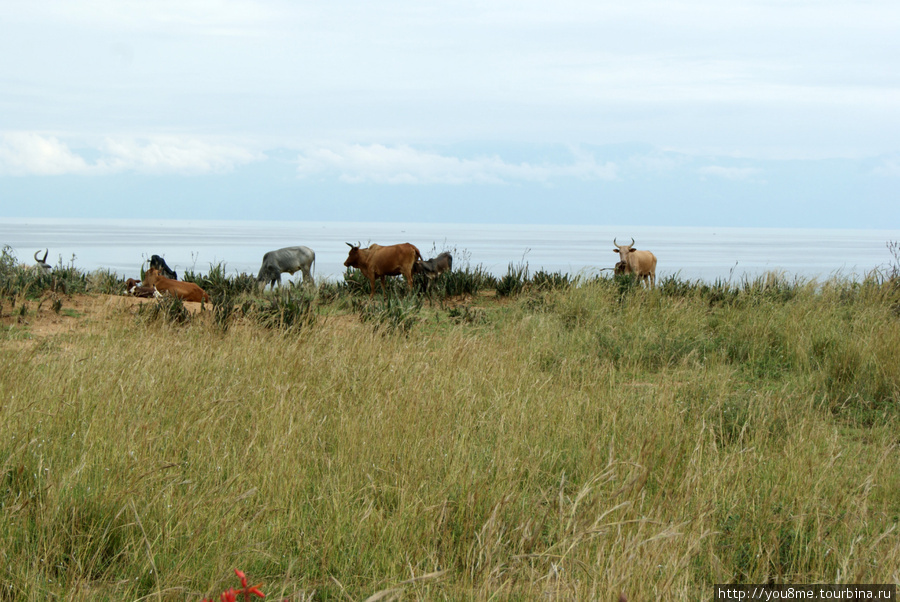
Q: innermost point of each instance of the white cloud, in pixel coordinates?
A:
(405, 165)
(24, 153)
(172, 155)
(729, 173)
(28, 153)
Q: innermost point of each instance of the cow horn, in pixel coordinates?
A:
(615, 243)
(349, 245)
(632, 241)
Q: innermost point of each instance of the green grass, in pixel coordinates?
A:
(574, 440)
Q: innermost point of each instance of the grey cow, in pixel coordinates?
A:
(435, 266)
(432, 268)
(288, 259)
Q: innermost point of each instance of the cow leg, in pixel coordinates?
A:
(409, 279)
(308, 277)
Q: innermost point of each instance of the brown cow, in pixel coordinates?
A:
(642, 263)
(187, 291)
(376, 262)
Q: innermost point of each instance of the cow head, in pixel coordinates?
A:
(151, 277)
(352, 257)
(624, 250)
(42, 263)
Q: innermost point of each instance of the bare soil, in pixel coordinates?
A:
(56, 314)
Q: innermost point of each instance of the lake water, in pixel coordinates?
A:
(692, 253)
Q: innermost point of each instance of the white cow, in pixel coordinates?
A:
(288, 259)
(642, 263)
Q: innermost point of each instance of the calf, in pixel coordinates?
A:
(435, 266)
(432, 268)
(133, 287)
(187, 291)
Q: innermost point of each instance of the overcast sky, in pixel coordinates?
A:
(677, 112)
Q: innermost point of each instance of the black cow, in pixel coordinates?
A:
(160, 264)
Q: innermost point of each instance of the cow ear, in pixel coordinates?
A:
(615, 250)
(632, 250)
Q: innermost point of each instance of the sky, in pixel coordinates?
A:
(747, 113)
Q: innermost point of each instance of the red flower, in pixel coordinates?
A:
(230, 595)
(247, 590)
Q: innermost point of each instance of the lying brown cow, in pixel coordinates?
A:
(376, 262)
(187, 291)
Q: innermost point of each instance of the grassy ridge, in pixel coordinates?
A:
(567, 442)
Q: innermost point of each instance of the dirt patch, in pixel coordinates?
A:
(55, 314)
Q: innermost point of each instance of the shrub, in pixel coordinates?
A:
(514, 282)
(217, 283)
(394, 312)
(468, 281)
(551, 281)
(287, 309)
(104, 282)
(168, 308)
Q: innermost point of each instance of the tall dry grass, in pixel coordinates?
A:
(570, 444)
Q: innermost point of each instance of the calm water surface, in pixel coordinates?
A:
(691, 253)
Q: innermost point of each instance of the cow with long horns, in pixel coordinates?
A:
(42, 263)
(640, 263)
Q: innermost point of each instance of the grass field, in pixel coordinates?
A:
(557, 440)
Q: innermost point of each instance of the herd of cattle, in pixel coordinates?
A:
(375, 263)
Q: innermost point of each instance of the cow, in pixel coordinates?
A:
(377, 261)
(290, 260)
(133, 287)
(619, 269)
(42, 264)
(187, 291)
(641, 263)
(434, 267)
(160, 264)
